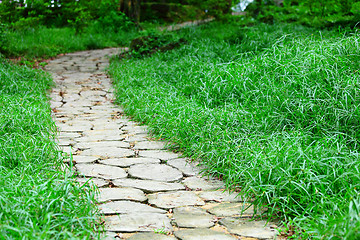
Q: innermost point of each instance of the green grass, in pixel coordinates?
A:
(43, 42)
(37, 200)
(273, 110)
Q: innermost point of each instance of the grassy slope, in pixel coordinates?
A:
(274, 110)
(36, 43)
(36, 201)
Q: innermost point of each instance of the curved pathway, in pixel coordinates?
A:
(146, 192)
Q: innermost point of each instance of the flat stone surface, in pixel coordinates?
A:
(220, 196)
(126, 207)
(163, 155)
(148, 185)
(192, 217)
(150, 236)
(138, 222)
(96, 181)
(157, 172)
(101, 171)
(127, 162)
(232, 209)
(150, 145)
(202, 234)
(133, 194)
(246, 228)
(84, 159)
(184, 166)
(105, 144)
(108, 152)
(175, 199)
(197, 183)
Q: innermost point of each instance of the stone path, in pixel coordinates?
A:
(146, 192)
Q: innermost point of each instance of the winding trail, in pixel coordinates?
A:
(145, 191)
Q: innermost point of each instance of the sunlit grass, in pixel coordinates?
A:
(37, 200)
(273, 110)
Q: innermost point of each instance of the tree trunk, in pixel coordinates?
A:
(131, 8)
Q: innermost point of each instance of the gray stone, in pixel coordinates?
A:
(184, 166)
(138, 222)
(103, 144)
(253, 229)
(148, 185)
(133, 194)
(220, 196)
(96, 181)
(101, 171)
(232, 209)
(175, 199)
(136, 129)
(108, 152)
(202, 234)
(126, 207)
(151, 236)
(150, 145)
(135, 138)
(127, 162)
(163, 155)
(197, 183)
(192, 217)
(84, 159)
(157, 172)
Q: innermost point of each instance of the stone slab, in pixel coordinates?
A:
(108, 152)
(127, 162)
(150, 236)
(157, 172)
(133, 194)
(232, 209)
(84, 159)
(253, 229)
(220, 196)
(101, 171)
(149, 145)
(202, 234)
(148, 185)
(96, 181)
(126, 207)
(184, 166)
(163, 155)
(139, 222)
(105, 144)
(175, 199)
(198, 183)
(192, 217)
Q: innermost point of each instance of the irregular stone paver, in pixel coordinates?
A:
(232, 209)
(96, 181)
(157, 172)
(220, 196)
(202, 233)
(127, 207)
(187, 168)
(148, 185)
(127, 162)
(192, 217)
(197, 183)
(108, 152)
(149, 145)
(150, 235)
(133, 194)
(142, 222)
(175, 199)
(163, 155)
(101, 171)
(106, 145)
(246, 228)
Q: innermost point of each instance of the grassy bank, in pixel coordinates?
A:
(37, 200)
(43, 42)
(273, 110)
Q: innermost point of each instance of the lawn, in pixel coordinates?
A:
(38, 200)
(273, 110)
